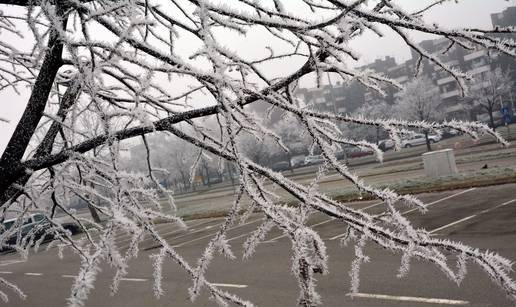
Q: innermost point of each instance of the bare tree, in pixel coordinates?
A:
(258, 149)
(488, 89)
(292, 134)
(124, 61)
(375, 109)
(420, 101)
(171, 160)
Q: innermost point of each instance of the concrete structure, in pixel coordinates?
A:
(439, 163)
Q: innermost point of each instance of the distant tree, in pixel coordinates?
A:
(488, 89)
(291, 132)
(420, 101)
(164, 67)
(374, 109)
(258, 149)
(171, 158)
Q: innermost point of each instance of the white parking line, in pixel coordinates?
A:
(229, 285)
(372, 206)
(124, 279)
(314, 225)
(212, 234)
(134, 279)
(8, 262)
(168, 225)
(284, 235)
(34, 274)
(440, 200)
(414, 209)
(408, 299)
(472, 216)
(4, 272)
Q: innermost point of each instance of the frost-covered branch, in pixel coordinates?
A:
(161, 69)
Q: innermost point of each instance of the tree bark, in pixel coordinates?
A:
(427, 140)
(491, 118)
(29, 121)
(46, 145)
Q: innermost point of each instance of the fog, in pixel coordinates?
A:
(467, 13)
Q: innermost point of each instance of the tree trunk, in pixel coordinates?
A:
(206, 176)
(289, 158)
(491, 118)
(29, 121)
(94, 214)
(427, 140)
(93, 211)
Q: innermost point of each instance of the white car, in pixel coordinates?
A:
(311, 160)
(415, 140)
(297, 161)
(419, 139)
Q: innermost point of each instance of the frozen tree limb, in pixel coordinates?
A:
(123, 86)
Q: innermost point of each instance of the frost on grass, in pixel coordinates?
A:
(126, 84)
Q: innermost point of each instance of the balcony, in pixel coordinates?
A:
(445, 80)
(474, 55)
(401, 79)
(479, 70)
(454, 108)
(450, 94)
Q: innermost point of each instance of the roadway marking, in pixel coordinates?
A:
(4, 272)
(414, 209)
(124, 279)
(8, 262)
(34, 274)
(229, 285)
(314, 225)
(189, 233)
(134, 279)
(284, 235)
(371, 206)
(440, 200)
(212, 234)
(472, 216)
(164, 226)
(408, 299)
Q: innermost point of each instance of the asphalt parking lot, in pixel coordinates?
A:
(482, 217)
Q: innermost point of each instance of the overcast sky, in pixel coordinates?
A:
(470, 13)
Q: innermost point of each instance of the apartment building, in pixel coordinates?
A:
(346, 98)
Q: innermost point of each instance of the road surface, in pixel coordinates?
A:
(482, 217)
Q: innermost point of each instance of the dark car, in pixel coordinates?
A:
(385, 145)
(358, 152)
(280, 166)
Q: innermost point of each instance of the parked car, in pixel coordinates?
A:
(357, 152)
(449, 132)
(315, 159)
(419, 139)
(340, 155)
(31, 221)
(297, 161)
(280, 166)
(385, 145)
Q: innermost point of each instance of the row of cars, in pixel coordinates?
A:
(418, 139)
(415, 140)
(356, 152)
(302, 160)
